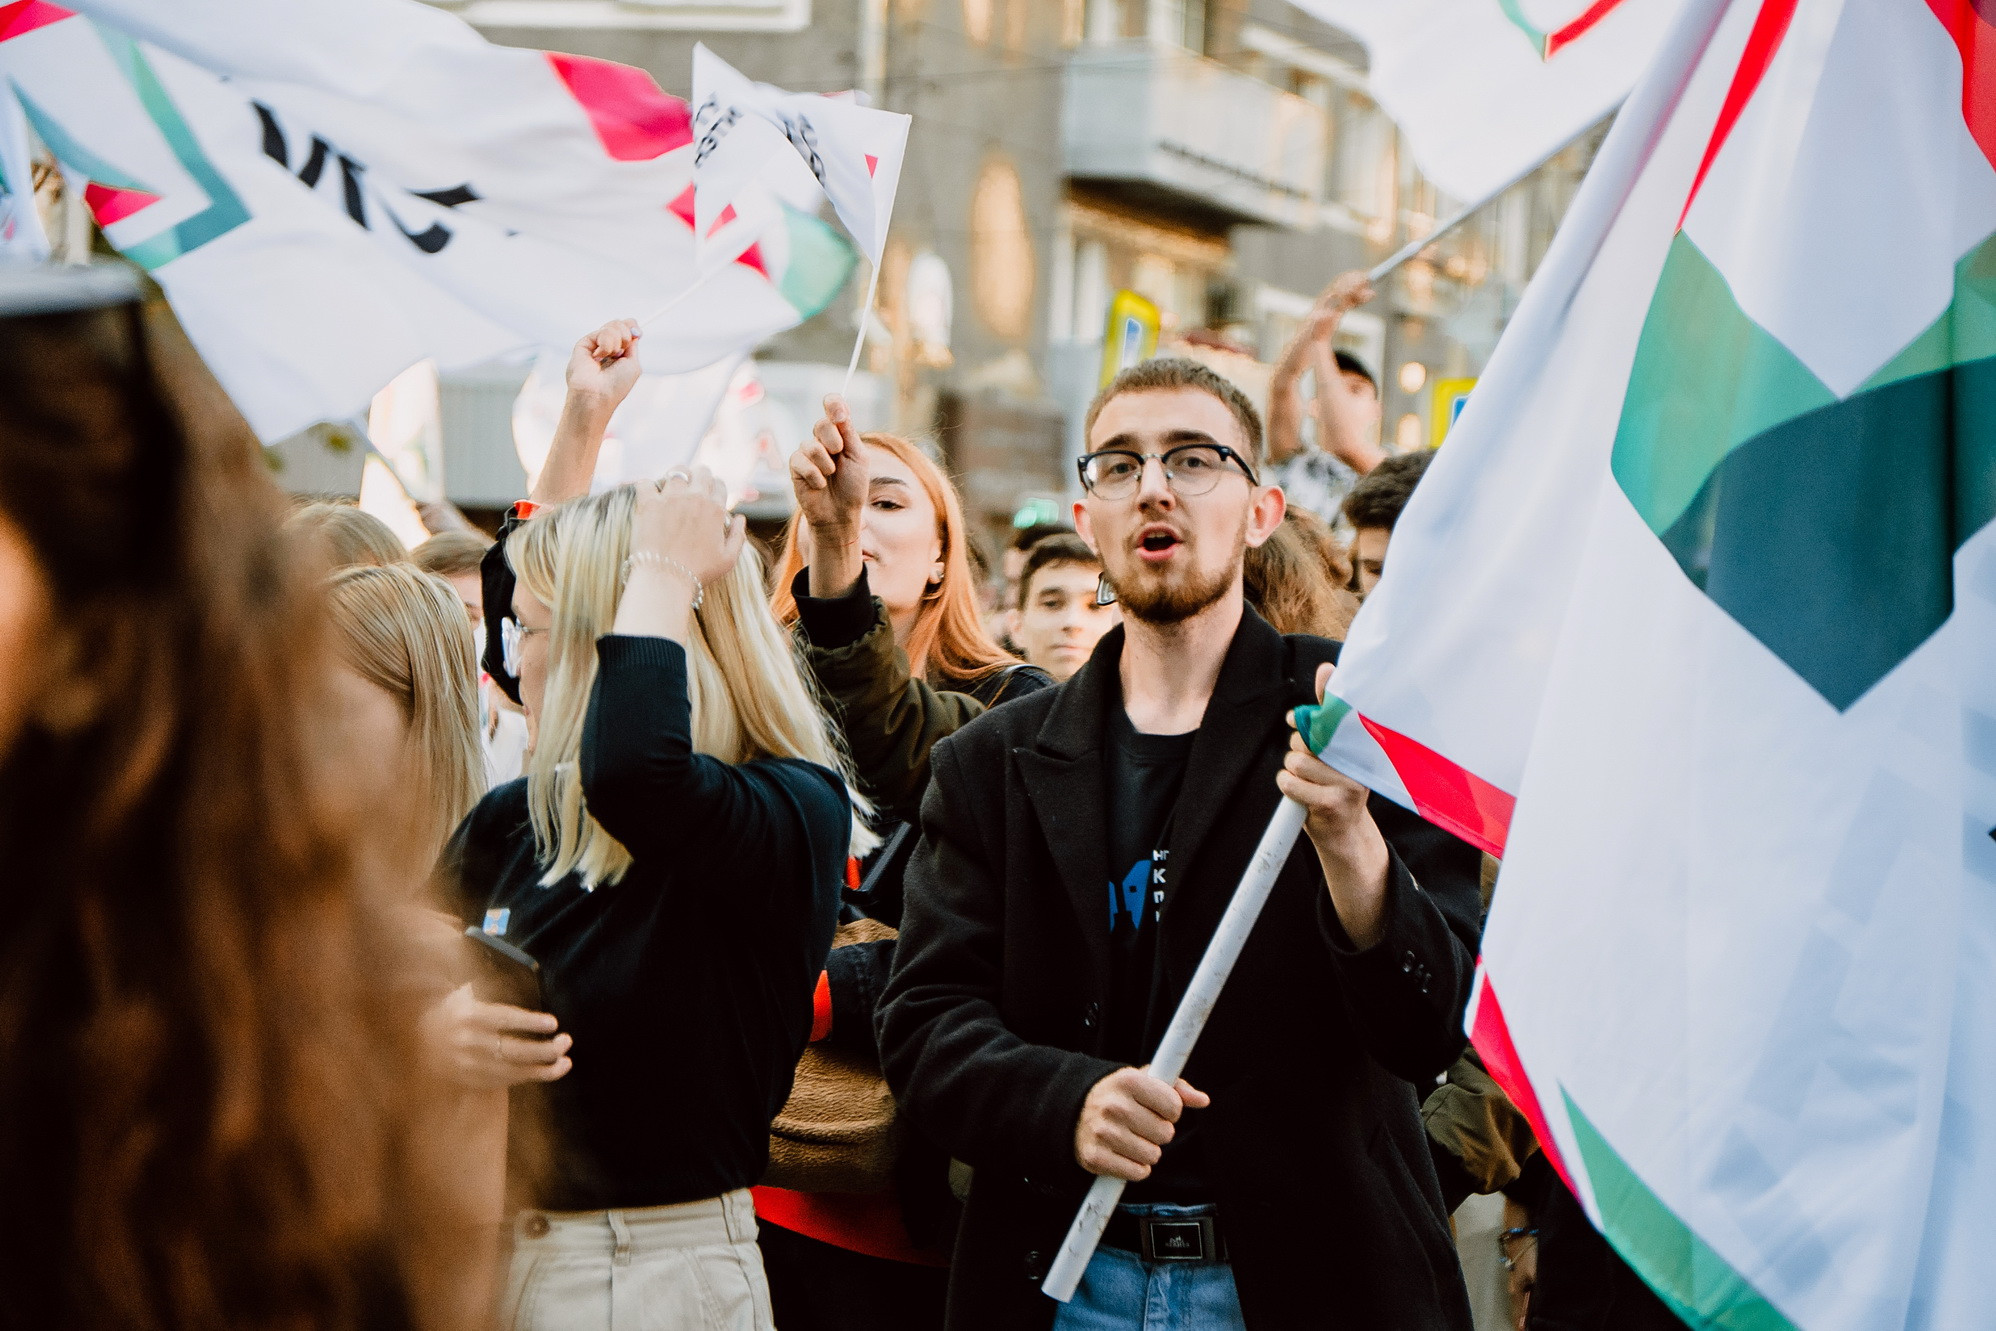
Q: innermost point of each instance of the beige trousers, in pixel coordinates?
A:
(690, 1267)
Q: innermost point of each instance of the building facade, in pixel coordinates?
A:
(1219, 157)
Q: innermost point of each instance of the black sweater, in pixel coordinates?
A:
(686, 985)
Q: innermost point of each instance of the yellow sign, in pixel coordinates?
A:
(1131, 336)
(1450, 397)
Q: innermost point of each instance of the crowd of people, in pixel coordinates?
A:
(618, 922)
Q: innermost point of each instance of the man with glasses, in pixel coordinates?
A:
(1077, 850)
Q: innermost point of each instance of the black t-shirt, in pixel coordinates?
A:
(1145, 773)
(686, 984)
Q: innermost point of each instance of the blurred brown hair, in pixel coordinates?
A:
(201, 1049)
(347, 536)
(1290, 579)
(450, 554)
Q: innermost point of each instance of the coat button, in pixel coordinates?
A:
(1406, 963)
(1035, 1269)
(536, 1226)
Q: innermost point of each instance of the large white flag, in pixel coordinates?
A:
(1486, 89)
(330, 192)
(1705, 577)
(853, 151)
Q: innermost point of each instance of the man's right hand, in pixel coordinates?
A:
(1127, 1120)
(828, 474)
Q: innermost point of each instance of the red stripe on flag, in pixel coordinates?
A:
(1446, 794)
(633, 119)
(871, 163)
(1975, 37)
(682, 207)
(1491, 1035)
(27, 15)
(110, 205)
(1769, 27)
(1573, 31)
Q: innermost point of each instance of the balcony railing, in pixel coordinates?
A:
(1154, 119)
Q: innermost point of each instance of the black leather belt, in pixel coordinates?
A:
(1167, 1238)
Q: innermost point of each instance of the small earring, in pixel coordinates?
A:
(1105, 594)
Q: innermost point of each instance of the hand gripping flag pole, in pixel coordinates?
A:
(1229, 937)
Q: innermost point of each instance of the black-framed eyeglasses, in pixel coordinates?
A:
(1189, 469)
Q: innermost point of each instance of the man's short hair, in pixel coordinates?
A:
(1028, 537)
(1350, 364)
(1379, 496)
(1168, 372)
(450, 554)
(1061, 548)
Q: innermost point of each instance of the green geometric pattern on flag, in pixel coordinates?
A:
(820, 262)
(225, 211)
(1824, 527)
(1700, 1286)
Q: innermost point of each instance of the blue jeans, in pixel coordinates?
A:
(1120, 1291)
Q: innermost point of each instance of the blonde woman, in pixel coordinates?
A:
(406, 684)
(672, 861)
(405, 691)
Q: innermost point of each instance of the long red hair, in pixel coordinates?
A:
(948, 643)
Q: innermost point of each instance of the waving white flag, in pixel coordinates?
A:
(1705, 577)
(854, 152)
(329, 192)
(1485, 90)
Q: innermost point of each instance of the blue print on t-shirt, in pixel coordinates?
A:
(1127, 898)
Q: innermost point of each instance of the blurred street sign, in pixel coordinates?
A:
(1131, 336)
(1451, 395)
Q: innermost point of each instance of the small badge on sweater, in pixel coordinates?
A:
(497, 919)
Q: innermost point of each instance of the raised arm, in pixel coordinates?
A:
(1342, 426)
(640, 776)
(602, 369)
(889, 718)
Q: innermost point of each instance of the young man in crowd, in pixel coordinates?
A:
(1078, 848)
(1346, 408)
(1373, 507)
(1057, 621)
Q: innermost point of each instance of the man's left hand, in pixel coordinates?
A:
(1349, 846)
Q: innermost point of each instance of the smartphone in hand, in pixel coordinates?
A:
(506, 974)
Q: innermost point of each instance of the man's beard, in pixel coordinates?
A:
(1157, 598)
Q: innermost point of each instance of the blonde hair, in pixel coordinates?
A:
(346, 536)
(750, 695)
(404, 632)
(949, 639)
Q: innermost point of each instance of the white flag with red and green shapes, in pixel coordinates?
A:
(329, 191)
(1693, 621)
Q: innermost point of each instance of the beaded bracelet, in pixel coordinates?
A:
(658, 560)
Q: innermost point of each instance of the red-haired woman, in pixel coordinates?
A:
(206, 1050)
(876, 574)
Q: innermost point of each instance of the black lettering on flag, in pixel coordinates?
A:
(448, 198)
(429, 240)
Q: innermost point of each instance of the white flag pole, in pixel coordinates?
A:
(1463, 214)
(673, 304)
(1187, 1022)
(865, 317)
(1621, 160)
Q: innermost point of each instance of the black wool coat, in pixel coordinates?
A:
(1316, 1054)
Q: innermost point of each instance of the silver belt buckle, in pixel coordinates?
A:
(1186, 1238)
